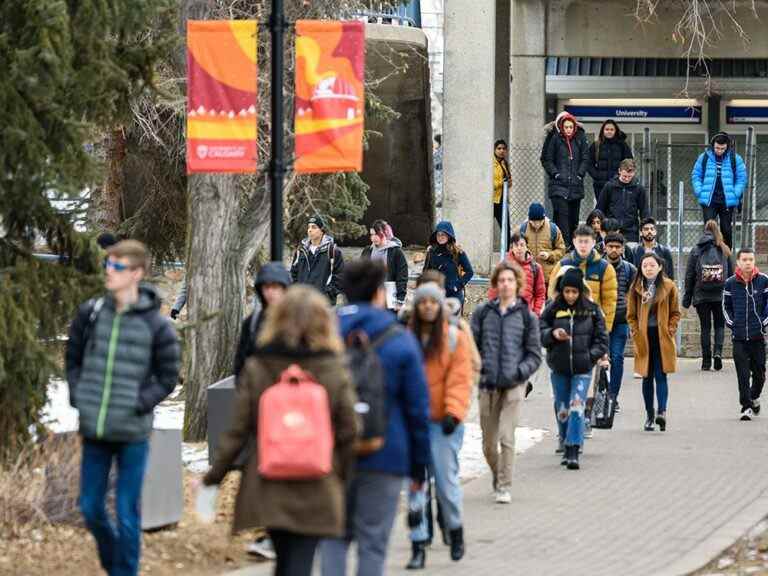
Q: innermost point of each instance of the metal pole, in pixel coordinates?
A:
(646, 160)
(679, 274)
(504, 220)
(746, 207)
(277, 27)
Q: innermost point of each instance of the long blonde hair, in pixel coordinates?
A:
(302, 319)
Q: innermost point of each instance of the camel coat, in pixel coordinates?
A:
(668, 315)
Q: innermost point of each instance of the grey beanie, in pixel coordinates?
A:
(429, 290)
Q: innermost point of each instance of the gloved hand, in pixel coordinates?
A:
(174, 314)
(449, 424)
(686, 302)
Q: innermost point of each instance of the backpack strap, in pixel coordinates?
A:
(553, 233)
(523, 228)
(704, 163)
(93, 315)
(391, 330)
(332, 254)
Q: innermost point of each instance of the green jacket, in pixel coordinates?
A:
(120, 366)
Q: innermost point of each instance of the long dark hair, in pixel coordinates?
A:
(640, 279)
(435, 341)
(581, 304)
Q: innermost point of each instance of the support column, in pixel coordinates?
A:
(528, 105)
(502, 67)
(468, 122)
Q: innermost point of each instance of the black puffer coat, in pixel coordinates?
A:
(625, 274)
(627, 203)
(605, 155)
(699, 292)
(587, 344)
(566, 162)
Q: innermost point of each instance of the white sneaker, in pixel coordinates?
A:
(746, 415)
(262, 547)
(503, 497)
(637, 376)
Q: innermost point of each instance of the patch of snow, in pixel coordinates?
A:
(471, 459)
(195, 458)
(57, 414)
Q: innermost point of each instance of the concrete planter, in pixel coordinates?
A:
(221, 401)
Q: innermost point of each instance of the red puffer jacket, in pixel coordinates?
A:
(535, 291)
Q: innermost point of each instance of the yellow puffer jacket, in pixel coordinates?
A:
(499, 170)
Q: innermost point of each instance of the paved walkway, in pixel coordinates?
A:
(642, 504)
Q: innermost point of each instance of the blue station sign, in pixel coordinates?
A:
(746, 114)
(638, 114)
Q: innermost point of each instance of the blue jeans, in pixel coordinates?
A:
(618, 342)
(445, 468)
(570, 397)
(119, 546)
(655, 372)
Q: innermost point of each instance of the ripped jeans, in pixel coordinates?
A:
(570, 398)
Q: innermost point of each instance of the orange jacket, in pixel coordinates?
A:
(449, 377)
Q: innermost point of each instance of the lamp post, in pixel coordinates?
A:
(277, 26)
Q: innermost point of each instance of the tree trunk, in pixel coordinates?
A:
(216, 292)
(106, 211)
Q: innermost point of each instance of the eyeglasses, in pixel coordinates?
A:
(116, 266)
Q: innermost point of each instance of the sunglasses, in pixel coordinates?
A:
(116, 266)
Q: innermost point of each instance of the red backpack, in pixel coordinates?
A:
(295, 434)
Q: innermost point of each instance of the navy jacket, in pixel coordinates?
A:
(662, 252)
(625, 275)
(406, 450)
(745, 306)
(457, 271)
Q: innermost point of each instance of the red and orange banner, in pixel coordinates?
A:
(221, 95)
(330, 101)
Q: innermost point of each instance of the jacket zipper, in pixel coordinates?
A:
(107, 392)
(501, 347)
(570, 341)
(746, 289)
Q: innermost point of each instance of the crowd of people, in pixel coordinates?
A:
(340, 409)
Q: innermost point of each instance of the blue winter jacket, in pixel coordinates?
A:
(458, 272)
(733, 184)
(406, 449)
(745, 306)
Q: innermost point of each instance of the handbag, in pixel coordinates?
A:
(604, 407)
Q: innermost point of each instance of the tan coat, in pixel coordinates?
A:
(541, 241)
(311, 507)
(668, 315)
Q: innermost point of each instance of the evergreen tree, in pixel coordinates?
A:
(70, 69)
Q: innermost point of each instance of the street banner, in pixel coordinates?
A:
(221, 95)
(329, 99)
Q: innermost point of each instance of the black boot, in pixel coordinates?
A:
(661, 420)
(566, 454)
(649, 424)
(706, 363)
(457, 544)
(718, 362)
(418, 556)
(573, 458)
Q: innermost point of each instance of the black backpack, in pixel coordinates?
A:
(369, 378)
(712, 267)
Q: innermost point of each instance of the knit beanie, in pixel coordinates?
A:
(536, 212)
(318, 221)
(429, 290)
(573, 278)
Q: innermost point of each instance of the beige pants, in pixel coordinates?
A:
(499, 415)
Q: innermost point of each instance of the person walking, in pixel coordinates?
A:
(565, 158)
(599, 275)
(709, 266)
(500, 175)
(299, 340)
(122, 360)
(373, 494)
(318, 261)
(448, 365)
(653, 315)
(545, 240)
(573, 332)
(606, 154)
(719, 178)
(387, 248)
(595, 220)
(648, 234)
(507, 335)
(745, 306)
(447, 257)
(619, 334)
(534, 292)
(624, 199)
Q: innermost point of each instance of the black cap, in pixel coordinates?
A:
(318, 221)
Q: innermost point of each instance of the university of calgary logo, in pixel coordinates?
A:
(202, 151)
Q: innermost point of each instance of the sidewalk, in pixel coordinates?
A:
(642, 504)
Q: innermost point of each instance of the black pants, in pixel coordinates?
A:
(711, 313)
(749, 356)
(295, 553)
(725, 216)
(566, 216)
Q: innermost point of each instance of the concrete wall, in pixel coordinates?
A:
(398, 164)
(608, 28)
